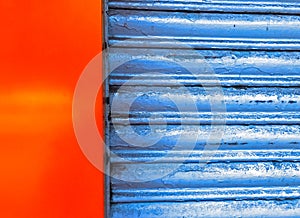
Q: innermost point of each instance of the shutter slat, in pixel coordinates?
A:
(241, 6)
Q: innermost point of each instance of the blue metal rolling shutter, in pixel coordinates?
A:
(254, 49)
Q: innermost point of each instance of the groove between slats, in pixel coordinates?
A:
(223, 80)
(208, 209)
(204, 43)
(246, 6)
(206, 194)
(194, 156)
(207, 118)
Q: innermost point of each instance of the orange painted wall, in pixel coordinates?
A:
(45, 45)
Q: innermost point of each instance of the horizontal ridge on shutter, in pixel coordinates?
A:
(241, 6)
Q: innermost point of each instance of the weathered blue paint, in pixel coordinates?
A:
(206, 30)
(241, 6)
(254, 49)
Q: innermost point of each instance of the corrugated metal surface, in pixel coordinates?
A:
(252, 48)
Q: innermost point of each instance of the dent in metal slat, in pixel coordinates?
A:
(241, 6)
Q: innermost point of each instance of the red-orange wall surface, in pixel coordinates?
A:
(45, 45)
